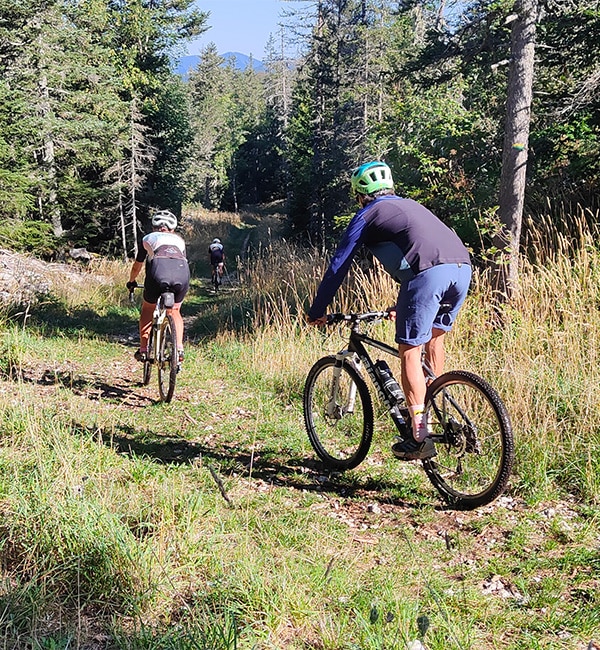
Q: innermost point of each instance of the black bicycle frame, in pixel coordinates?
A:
(356, 346)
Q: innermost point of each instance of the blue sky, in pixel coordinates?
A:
(241, 25)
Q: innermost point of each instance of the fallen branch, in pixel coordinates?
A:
(219, 483)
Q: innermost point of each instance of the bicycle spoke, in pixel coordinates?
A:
(338, 414)
(473, 440)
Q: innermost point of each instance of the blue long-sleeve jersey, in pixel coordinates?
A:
(402, 234)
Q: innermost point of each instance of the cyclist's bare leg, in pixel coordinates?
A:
(435, 353)
(412, 379)
(178, 322)
(414, 387)
(145, 323)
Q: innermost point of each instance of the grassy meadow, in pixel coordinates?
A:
(208, 523)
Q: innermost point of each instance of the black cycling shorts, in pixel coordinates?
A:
(166, 274)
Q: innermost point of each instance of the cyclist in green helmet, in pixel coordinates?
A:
(433, 268)
(372, 177)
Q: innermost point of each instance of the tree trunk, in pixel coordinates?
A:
(516, 137)
(133, 179)
(234, 184)
(122, 214)
(49, 162)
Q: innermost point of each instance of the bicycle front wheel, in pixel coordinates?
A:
(338, 413)
(167, 360)
(473, 438)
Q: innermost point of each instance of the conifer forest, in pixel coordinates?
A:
(97, 130)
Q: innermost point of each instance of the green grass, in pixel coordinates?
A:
(208, 523)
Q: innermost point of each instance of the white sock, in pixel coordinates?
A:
(419, 423)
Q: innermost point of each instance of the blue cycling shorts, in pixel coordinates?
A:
(419, 300)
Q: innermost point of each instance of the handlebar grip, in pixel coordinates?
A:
(336, 317)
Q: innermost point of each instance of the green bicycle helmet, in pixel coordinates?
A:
(371, 177)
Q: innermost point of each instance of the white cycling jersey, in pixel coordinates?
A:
(158, 239)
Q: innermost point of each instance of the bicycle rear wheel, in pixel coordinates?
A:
(167, 360)
(338, 413)
(148, 363)
(473, 438)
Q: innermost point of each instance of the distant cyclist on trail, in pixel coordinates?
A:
(167, 269)
(216, 252)
(433, 268)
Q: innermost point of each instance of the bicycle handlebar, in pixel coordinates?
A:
(370, 316)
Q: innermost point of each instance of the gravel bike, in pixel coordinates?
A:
(469, 424)
(162, 347)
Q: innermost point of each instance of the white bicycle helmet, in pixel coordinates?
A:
(216, 240)
(164, 218)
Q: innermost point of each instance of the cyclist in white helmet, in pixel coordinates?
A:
(216, 253)
(167, 269)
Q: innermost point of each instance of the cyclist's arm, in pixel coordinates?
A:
(136, 267)
(339, 266)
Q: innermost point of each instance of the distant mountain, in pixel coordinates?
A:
(240, 61)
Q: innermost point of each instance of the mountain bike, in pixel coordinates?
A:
(162, 347)
(468, 422)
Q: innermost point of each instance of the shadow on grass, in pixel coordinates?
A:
(92, 387)
(302, 474)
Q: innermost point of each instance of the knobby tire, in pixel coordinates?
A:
(340, 429)
(473, 438)
(167, 360)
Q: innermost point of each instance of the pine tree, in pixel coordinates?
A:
(68, 104)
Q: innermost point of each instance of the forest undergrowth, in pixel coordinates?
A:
(208, 522)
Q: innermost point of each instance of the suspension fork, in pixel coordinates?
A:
(334, 408)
